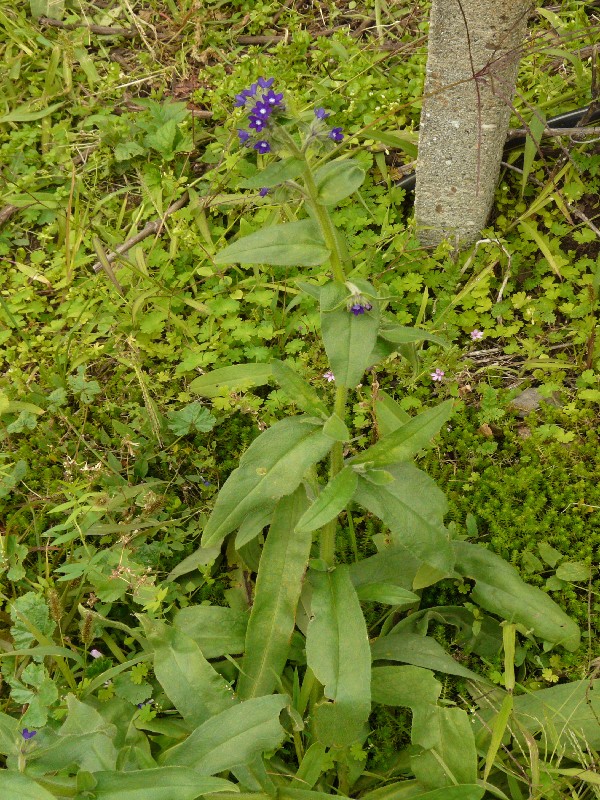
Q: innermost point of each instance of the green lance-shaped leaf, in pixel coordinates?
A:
(290, 244)
(16, 785)
(439, 736)
(337, 651)
(405, 441)
(392, 564)
(298, 390)
(271, 467)
(278, 586)
(280, 171)
(400, 334)
(408, 686)
(388, 594)
(413, 508)
(239, 376)
(233, 737)
(217, 631)
(421, 651)
(349, 340)
(449, 755)
(194, 687)
(331, 501)
(337, 180)
(413, 790)
(390, 415)
(500, 590)
(162, 783)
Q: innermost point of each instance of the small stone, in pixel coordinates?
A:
(530, 400)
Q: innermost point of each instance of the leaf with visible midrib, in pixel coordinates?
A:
(337, 651)
(192, 684)
(406, 441)
(289, 244)
(271, 467)
(233, 737)
(278, 586)
(413, 508)
(161, 783)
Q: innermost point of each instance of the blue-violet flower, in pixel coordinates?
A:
(320, 113)
(261, 110)
(360, 308)
(244, 136)
(264, 192)
(27, 734)
(262, 147)
(336, 135)
(266, 83)
(272, 98)
(257, 123)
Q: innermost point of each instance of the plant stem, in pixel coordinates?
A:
(327, 541)
(326, 224)
(336, 462)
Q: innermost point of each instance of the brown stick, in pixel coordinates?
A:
(7, 212)
(99, 30)
(151, 228)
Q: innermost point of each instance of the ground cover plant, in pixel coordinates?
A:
(226, 565)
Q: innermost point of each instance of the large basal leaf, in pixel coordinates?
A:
(413, 790)
(393, 565)
(388, 594)
(349, 340)
(421, 651)
(448, 755)
(298, 390)
(500, 590)
(194, 687)
(278, 585)
(218, 631)
(234, 379)
(85, 739)
(337, 180)
(163, 783)
(442, 737)
(271, 467)
(413, 508)
(15, 785)
(407, 686)
(331, 501)
(563, 715)
(280, 171)
(235, 736)
(291, 244)
(481, 635)
(337, 651)
(405, 441)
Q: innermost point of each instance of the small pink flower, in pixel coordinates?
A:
(329, 376)
(437, 375)
(475, 335)
(96, 654)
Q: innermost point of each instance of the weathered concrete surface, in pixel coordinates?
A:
(464, 120)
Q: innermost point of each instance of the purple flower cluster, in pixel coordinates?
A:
(266, 101)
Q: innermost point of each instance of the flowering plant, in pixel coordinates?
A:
(301, 587)
(293, 659)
